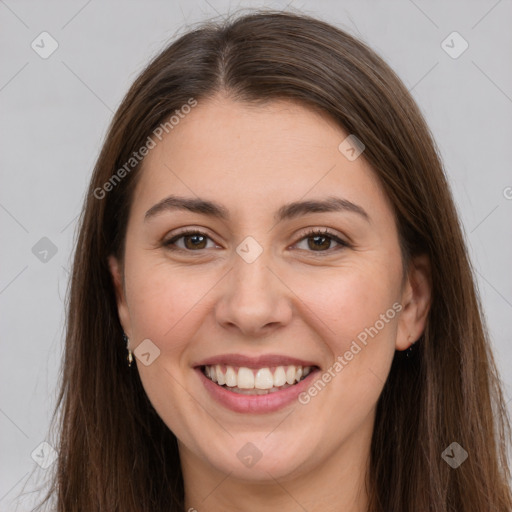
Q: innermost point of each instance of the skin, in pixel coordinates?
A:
(291, 300)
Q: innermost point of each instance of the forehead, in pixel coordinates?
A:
(255, 155)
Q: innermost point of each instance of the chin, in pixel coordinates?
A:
(251, 461)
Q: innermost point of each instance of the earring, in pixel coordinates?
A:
(130, 355)
(409, 352)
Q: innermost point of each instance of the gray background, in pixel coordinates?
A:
(55, 113)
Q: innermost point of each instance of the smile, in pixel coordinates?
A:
(256, 381)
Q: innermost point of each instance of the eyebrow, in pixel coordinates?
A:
(286, 212)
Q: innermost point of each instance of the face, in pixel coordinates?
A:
(269, 288)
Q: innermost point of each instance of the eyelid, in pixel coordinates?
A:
(335, 237)
(168, 241)
(308, 233)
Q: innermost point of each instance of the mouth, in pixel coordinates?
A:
(256, 381)
(259, 384)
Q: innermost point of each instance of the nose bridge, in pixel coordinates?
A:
(252, 277)
(253, 296)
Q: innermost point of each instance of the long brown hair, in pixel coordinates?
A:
(115, 453)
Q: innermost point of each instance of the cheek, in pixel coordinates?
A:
(355, 312)
(162, 302)
(346, 302)
(166, 305)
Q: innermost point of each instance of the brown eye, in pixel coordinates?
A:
(321, 241)
(195, 241)
(192, 240)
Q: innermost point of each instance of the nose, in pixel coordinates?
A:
(254, 300)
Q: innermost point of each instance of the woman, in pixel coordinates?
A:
(271, 303)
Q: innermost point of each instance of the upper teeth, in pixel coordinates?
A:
(262, 378)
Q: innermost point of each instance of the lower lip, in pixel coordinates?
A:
(257, 404)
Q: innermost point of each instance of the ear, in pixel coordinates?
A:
(122, 307)
(416, 300)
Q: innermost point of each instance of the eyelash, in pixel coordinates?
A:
(169, 244)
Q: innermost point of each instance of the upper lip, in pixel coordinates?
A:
(263, 361)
